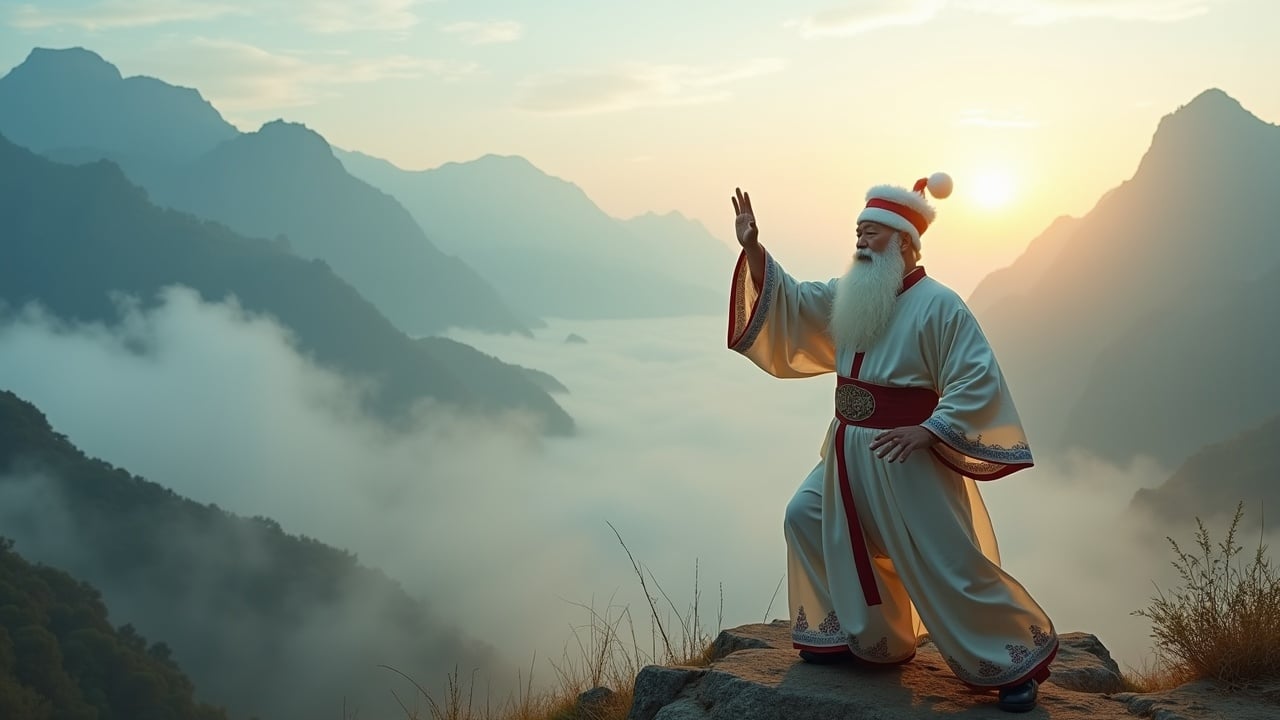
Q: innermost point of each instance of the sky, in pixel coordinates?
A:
(1035, 107)
(511, 541)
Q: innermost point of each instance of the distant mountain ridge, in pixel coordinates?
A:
(1211, 482)
(63, 100)
(1027, 271)
(1202, 374)
(1129, 288)
(546, 245)
(76, 234)
(281, 181)
(248, 610)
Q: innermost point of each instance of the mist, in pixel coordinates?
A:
(320, 653)
(688, 450)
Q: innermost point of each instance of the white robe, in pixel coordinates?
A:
(925, 536)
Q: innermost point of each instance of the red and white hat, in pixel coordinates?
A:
(903, 209)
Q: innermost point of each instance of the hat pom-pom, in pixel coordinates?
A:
(939, 185)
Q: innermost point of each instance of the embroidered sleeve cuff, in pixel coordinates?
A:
(974, 458)
(747, 311)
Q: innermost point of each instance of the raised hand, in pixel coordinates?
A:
(745, 222)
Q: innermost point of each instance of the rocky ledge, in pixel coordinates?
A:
(756, 675)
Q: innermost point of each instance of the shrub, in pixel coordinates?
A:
(1224, 621)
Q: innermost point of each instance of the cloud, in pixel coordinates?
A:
(116, 14)
(330, 644)
(344, 16)
(636, 86)
(502, 530)
(227, 383)
(326, 17)
(862, 17)
(240, 78)
(983, 118)
(1041, 12)
(286, 419)
(485, 33)
(468, 511)
(865, 16)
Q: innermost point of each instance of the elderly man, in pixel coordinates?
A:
(889, 530)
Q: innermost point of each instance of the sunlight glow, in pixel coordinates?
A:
(991, 189)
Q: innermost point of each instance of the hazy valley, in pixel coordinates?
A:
(296, 412)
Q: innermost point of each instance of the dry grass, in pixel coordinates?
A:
(609, 652)
(1156, 675)
(1223, 622)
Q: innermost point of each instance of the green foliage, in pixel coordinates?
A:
(60, 657)
(1224, 621)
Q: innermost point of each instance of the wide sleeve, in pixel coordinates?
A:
(782, 328)
(976, 421)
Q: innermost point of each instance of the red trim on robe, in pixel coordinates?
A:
(1039, 673)
(858, 540)
(861, 555)
(894, 406)
(856, 368)
(916, 275)
(1005, 470)
(733, 298)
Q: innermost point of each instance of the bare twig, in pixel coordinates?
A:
(775, 597)
(652, 609)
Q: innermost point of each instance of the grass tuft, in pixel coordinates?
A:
(1223, 622)
(608, 652)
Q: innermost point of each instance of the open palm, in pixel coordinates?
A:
(745, 222)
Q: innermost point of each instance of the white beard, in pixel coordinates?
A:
(866, 296)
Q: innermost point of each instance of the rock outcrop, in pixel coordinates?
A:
(756, 675)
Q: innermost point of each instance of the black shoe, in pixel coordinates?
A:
(831, 658)
(846, 656)
(1019, 698)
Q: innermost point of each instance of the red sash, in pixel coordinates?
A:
(869, 405)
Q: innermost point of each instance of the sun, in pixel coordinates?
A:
(991, 189)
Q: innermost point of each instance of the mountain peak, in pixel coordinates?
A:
(281, 139)
(73, 99)
(1211, 108)
(293, 131)
(498, 170)
(1215, 99)
(1213, 133)
(514, 164)
(498, 159)
(75, 64)
(277, 153)
(1211, 113)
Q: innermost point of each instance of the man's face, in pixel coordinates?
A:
(872, 238)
